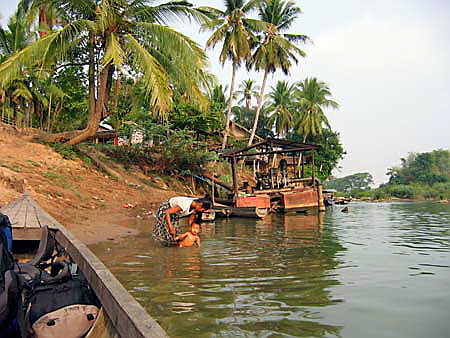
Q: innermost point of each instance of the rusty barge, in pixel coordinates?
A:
(279, 168)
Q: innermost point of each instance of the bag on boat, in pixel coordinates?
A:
(9, 302)
(6, 259)
(69, 322)
(5, 227)
(62, 292)
(9, 290)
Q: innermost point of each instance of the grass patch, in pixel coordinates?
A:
(34, 164)
(77, 193)
(13, 167)
(56, 179)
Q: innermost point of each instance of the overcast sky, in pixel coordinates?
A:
(388, 65)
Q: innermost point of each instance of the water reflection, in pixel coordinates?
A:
(250, 277)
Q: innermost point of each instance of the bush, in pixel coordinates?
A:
(176, 154)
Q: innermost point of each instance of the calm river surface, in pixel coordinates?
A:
(381, 270)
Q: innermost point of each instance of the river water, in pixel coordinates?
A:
(380, 270)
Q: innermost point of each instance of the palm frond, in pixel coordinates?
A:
(51, 47)
(114, 53)
(179, 45)
(167, 12)
(251, 5)
(153, 75)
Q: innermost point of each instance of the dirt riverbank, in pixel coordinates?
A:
(94, 206)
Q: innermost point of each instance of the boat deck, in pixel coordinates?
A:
(27, 218)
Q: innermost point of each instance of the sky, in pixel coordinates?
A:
(387, 64)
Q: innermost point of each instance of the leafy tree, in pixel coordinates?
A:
(194, 118)
(425, 168)
(217, 98)
(330, 153)
(359, 181)
(234, 29)
(275, 50)
(73, 81)
(313, 97)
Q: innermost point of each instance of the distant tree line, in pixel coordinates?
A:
(419, 176)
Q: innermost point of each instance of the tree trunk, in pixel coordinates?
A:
(49, 113)
(91, 73)
(3, 105)
(95, 117)
(15, 114)
(77, 136)
(258, 108)
(115, 99)
(230, 104)
(109, 83)
(43, 21)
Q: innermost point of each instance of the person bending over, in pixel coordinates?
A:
(168, 215)
(189, 238)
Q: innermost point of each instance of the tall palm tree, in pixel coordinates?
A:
(276, 50)
(126, 36)
(234, 29)
(313, 95)
(282, 104)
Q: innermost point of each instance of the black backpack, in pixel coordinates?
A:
(9, 290)
(6, 260)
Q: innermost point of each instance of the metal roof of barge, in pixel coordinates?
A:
(283, 145)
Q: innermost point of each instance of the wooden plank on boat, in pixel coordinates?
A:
(23, 234)
(26, 218)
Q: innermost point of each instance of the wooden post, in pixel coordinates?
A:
(320, 198)
(302, 159)
(313, 170)
(213, 191)
(233, 171)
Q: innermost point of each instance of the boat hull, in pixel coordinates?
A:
(120, 315)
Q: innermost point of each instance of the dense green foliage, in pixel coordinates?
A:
(176, 152)
(407, 191)
(73, 81)
(420, 176)
(423, 168)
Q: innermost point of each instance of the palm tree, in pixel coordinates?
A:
(16, 37)
(247, 91)
(42, 9)
(282, 104)
(313, 95)
(275, 50)
(235, 30)
(129, 37)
